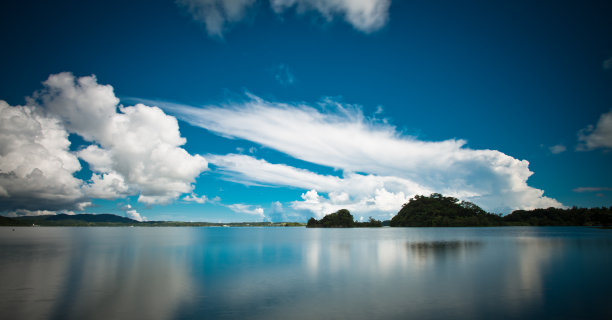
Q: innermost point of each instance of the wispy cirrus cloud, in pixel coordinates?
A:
(342, 137)
(362, 194)
(591, 189)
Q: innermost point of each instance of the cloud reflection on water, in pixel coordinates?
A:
(80, 276)
(266, 273)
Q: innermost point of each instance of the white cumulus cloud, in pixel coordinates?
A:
(247, 208)
(277, 212)
(200, 199)
(109, 185)
(382, 203)
(598, 136)
(36, 165)
(364, 15)
(218, 15)
(343, 138)
(133, 150)
(133, 214)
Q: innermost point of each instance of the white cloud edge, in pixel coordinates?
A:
(342, 137)
(132, 213)
(345, 115)
(360, 193)
(133, 151)
(366, 16)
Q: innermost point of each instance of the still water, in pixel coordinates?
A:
(298, 273)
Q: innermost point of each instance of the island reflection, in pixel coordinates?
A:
(259, 273)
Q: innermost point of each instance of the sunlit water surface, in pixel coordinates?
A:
(298, 273)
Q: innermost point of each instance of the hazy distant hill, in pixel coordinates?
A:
(5, 221)
(111, 220)
(77, 220)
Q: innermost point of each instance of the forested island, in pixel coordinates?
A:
(440, 211)
(435, 210)
(341, 219)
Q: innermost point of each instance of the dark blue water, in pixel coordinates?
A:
(298, 273)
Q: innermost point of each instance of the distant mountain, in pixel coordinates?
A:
(104, 217)
(111, 220)
(77, 220)
(5, 221)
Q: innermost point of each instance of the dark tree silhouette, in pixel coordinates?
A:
(341, 219)
(440, 211)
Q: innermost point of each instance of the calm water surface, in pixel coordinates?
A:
(298, 273)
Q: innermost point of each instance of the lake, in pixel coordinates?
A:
(299, 273)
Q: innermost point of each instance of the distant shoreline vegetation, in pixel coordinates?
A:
(111, 220)
(435, 210)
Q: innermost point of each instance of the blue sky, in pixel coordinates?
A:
(212, 110)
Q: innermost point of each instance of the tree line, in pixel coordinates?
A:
(437, 210)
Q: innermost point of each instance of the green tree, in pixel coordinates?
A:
(339, 219)
(440, 211)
